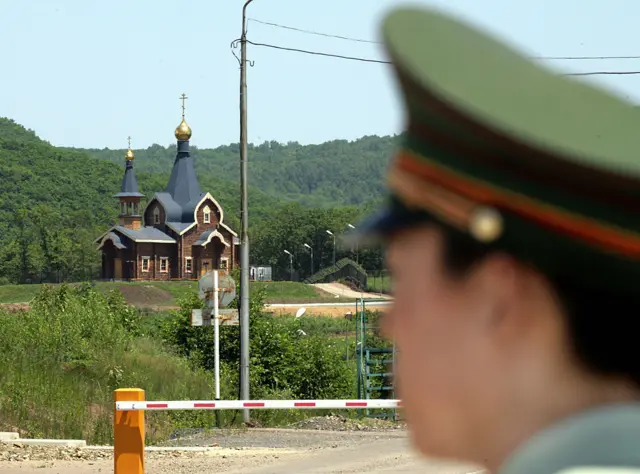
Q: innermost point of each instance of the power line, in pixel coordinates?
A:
(380, 61)
(603, 73)
(317, 33)
(359, 40)
(318, 53)
(582, 58)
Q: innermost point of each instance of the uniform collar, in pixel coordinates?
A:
(606, 436)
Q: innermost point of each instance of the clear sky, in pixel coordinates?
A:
(89, 73)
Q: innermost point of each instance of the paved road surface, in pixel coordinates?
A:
(367, 454)
(375, 457)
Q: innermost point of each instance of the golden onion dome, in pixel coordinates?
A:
(183, 131)
(129, 155)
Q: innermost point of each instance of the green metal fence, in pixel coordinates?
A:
(375, 360)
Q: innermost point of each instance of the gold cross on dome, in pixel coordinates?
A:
(129, 141)
(183, 97)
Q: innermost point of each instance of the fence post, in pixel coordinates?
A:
(128, 434)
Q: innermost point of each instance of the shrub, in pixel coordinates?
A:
(284, 364)
(63, 358)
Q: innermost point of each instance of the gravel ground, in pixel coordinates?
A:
(17, 458)
(371, 455)
(280, 439)
(340, 423)
(329, 444)
(314, 433)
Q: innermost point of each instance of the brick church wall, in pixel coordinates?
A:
(155, 252)
(149, 213)
(184, 247)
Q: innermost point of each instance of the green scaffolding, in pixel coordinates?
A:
(375, 360)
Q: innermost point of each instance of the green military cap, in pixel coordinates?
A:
(511, 153)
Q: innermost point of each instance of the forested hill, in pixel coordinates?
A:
(34, 173)
(338, 172)
(54, 202)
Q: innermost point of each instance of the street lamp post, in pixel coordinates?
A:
(290, 264)
(310, 250)
(334, 245)
(354, 228)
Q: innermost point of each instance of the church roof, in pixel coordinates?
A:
(179, 227)
(142, 235)
(146, 234)
(129, 186)
(176, 212)
(183, 193)
(115, 238)
(183, 186)
(207, 236)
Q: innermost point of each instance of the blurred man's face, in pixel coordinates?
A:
(450, 364)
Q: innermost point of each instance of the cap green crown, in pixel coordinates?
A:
(514, 154)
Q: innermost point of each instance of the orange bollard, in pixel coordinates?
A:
(128, 434)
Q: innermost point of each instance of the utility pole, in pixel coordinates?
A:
(244, 216)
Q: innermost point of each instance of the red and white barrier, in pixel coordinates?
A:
(130, 405)
(255, 404)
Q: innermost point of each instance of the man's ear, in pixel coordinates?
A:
(500, 281)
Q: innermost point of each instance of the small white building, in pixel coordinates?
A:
(260, 273)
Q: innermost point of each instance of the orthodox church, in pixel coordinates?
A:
(180, 233)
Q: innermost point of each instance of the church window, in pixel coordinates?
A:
(131, 213)
(188, 264)
(164, 264)
(156, 215)
(123, 208)
(145, 264)
(207, 215)
(224, 263)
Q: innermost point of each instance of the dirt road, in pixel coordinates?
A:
(336, 311)
(260, 452)
(345, 302)
(346, 292)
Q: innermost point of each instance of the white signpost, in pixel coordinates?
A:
(216, 292)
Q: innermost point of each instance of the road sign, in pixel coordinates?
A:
(227, 291)
(204, 317)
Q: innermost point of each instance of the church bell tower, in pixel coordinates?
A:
(129, 196)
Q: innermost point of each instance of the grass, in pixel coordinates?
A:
(18, 293)
(292, 292)
(325, 325)
(165, 294)
(63, 359)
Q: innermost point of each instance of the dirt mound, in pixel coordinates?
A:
(146, 296)
(14, 307)
(18, 452)
(340, 423)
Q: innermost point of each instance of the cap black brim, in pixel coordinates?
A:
(377, 228)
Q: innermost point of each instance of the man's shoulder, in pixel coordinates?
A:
(601, 440)
(600, 470)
